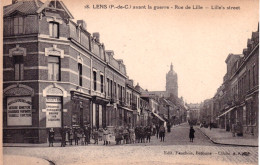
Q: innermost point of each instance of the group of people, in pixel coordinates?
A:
(78, 135)
(122, 135)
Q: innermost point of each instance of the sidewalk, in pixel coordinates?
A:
(24, 160)
(220, 136)
(55, 144)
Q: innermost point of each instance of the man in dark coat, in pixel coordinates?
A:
(191, 135)
(148, 133)
(51, 137)
(63, 137)
(162, 133)
(157, 131)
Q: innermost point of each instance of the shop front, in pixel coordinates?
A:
(99, 112)
(80, 110)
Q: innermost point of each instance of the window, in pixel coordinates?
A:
(253, 76)
(54, 68)
(54, 29)
(118, 92)
(95, 80)
(249, 80)
(102, 83)
(18, 25)
(111, 88)
(115, 90)
(80, 74)
(108, 92)
(18, 67)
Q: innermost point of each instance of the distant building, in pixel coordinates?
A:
(172, 82)
(171, 85)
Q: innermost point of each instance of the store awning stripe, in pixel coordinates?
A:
(226, 112)
(159, 117)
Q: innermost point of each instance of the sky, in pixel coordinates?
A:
(195, 41)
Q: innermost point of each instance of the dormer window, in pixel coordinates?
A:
(54, 29)
(18, 25)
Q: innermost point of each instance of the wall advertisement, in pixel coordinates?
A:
(19, 111)
(53, 112)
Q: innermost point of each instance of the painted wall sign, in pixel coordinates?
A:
(19, 111)
(53, 112)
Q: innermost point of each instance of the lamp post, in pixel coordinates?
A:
(168, 123)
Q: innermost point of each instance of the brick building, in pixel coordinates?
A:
(56, 73)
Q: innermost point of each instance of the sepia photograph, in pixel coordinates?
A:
(145, 82)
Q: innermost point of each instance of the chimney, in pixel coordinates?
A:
(14, 1)
(82, 23)
(120, 61)
(110, 52)
(97, 36)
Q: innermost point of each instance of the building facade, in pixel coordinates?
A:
(56, 74)
(236, 100)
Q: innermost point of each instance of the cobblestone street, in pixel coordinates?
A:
(175, 150)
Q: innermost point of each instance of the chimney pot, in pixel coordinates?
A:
(97, 36)
(82, 23)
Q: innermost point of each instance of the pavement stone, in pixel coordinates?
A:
(220, 136)
(24, 160)
(175, 150)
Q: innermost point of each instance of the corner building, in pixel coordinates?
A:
(55, 73)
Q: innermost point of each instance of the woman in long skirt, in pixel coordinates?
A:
(191, 135)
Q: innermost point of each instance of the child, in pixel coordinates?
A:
(82, 138)
(95, 135)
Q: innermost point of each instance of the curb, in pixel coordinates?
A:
(237, 145)
(51, 162)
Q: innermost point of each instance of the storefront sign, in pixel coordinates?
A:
(53, 112)
(19, 111)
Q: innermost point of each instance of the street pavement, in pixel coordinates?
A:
(179, 135)
(175, 150)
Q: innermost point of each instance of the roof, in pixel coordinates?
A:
(28, 7)
(23, 7)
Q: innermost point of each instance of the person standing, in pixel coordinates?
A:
(51, 137)
(76, 137)
(71, 136)
(157, 131)
(105, 136)
(191, 135)
(63, 137)
(162, 133)
(87, 134)
(148, 134)
(95, 135)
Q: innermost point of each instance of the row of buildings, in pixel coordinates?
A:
(236, 100)
(56, 74)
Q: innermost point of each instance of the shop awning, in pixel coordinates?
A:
(128, 109)
(159, 117)
(230, 109)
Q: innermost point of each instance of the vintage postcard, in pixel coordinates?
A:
(130, 82)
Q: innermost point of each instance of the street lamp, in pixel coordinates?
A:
(168, 124)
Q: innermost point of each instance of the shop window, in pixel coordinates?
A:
(53, 68)
(54, 29)
(18, 68)
(80, 74)
(18, 25)
(102, 83)
(95, 80)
